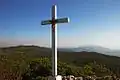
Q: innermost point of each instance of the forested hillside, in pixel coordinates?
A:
(33, 62)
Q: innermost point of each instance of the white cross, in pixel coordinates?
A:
(54, 36)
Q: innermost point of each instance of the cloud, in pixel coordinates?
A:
(4, 42)
(108, 39)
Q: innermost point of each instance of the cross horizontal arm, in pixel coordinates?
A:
(62, 20)
(46, 22)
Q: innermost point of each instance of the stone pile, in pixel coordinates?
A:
(71, 77)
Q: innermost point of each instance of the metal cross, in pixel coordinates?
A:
(54, 21)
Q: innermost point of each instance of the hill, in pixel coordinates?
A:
(76, 58)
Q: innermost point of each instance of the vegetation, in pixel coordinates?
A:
(34, 63)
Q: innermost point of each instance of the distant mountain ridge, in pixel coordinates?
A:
(89, 48)
(97, 49)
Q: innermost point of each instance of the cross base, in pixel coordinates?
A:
(58, 77)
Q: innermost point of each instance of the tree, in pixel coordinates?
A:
(87, 70)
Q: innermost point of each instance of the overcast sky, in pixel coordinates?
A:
(92, 22)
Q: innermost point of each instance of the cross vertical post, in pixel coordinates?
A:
(54, 22)
(54, 41)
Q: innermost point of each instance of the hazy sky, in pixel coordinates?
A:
(92, 22)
